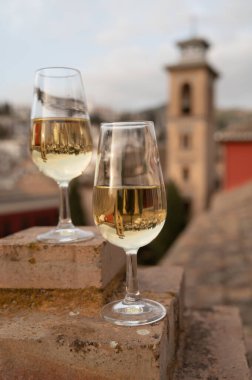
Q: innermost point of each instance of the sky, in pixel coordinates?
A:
(122, 47)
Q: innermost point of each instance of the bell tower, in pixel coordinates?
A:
(190, 127)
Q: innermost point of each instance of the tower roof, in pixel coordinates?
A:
(193, 50)
(193, 56)
(195, 42)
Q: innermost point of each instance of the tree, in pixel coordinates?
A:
(5, 109)
(77, 214)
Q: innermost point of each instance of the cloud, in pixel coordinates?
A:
(122, 46)
(16, 14)
(129, 77)
(234, 60)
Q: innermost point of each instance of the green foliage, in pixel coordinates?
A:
(95, 119)
(175, 223)
(77, 213)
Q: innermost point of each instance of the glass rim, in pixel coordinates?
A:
(127, 124)
(70, 72)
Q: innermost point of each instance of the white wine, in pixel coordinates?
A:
(61, 147)
(129, 217)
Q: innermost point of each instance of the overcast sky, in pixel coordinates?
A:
(122, 46)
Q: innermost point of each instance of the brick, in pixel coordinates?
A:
(212, 346)
(27, 263)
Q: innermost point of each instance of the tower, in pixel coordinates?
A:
(190, 127)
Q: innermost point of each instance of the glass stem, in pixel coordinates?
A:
(64, 209)
(132, 292)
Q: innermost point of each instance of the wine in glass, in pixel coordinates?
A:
(129, 206)
(61, 143)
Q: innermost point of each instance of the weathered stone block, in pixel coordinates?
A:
(62, 341)
(157, 280)
(42, 346)
(212, 346)
(27, 263)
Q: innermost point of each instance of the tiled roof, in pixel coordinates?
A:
(241, 132)
(195, 42)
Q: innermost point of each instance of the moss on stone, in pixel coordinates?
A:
(34, 246)
(91, 299)
(32, 260)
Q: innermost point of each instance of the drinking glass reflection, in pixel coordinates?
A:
(129, 206)
(61, 143)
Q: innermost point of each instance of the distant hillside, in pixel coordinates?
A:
(225, 117)
(158, 115)
(20, 118)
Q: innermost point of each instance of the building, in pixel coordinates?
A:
(237, 143)
(32, 199)
(190, 127)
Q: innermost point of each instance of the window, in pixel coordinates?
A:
(185, 173)
(188, 208)
(186, 99)
(185, 141)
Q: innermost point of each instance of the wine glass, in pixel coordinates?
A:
(129, 206)
(61, 143)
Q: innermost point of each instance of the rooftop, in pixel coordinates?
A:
(215, 251)
(193, 55)
(195, 41)
(237, 132)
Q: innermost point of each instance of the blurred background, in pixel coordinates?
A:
(185, 65)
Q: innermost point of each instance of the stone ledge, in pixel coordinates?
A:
(157, 280)
(26, 263)
(50, 346)
(212, 346)
(70, 342)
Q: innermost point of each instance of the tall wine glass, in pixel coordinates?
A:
(129, 206)
(61, 143)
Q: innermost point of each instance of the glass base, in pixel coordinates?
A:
(65, 235)
(142, 312)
